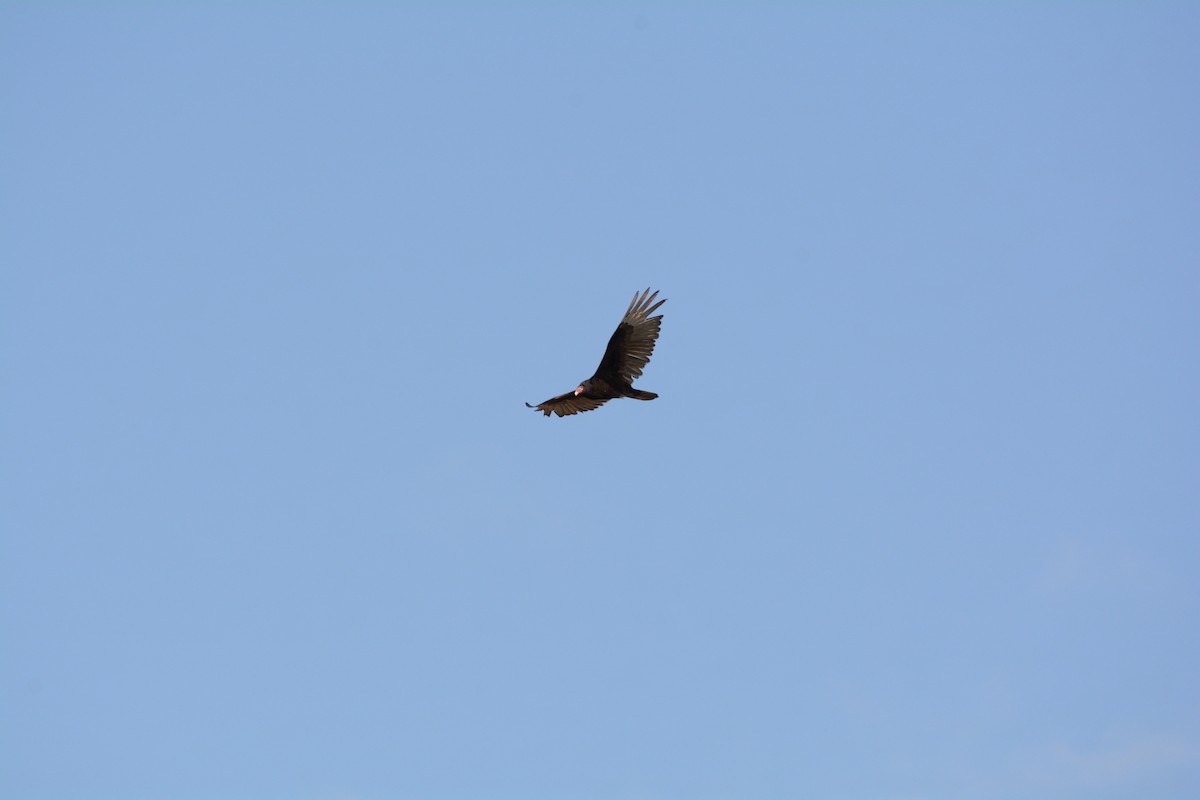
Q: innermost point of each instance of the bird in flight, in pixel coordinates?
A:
(628, 352)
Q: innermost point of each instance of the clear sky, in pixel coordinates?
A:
(915, 515)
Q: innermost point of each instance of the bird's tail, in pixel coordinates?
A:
(638, 394)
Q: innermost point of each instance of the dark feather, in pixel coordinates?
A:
(632, 343)
(567, 404)
(628, 352)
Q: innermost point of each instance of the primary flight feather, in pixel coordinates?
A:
(628, 352)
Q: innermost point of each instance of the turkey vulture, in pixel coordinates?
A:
(628, 353)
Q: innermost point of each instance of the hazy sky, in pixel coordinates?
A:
(915, 515)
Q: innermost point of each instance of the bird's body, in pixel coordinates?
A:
(629, 350)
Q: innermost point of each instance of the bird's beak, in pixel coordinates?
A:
(578, 391)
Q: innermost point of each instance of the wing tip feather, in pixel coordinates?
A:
(643, 305)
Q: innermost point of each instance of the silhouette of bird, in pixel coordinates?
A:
(627, 354)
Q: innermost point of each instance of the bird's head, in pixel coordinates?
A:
(579, 390)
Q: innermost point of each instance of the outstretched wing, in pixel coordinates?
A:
(567, 404)
(632, 343)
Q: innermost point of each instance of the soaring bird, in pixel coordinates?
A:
(628, 353)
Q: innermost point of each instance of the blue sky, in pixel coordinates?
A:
(914, 516)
